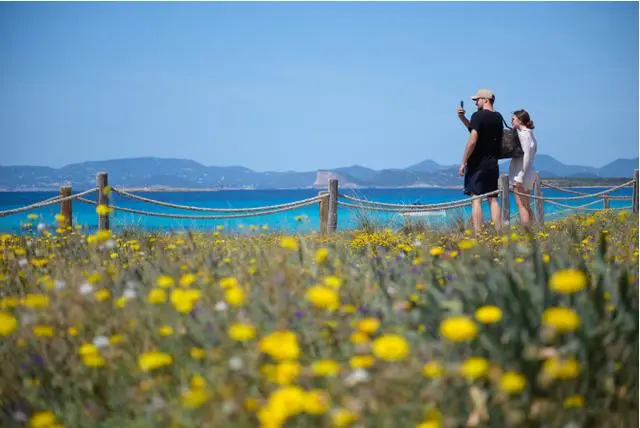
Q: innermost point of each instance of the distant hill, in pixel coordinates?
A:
(550, 167)
(154, 172)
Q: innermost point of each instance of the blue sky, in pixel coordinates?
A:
(302, 86)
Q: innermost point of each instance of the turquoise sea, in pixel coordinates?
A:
(298, 220)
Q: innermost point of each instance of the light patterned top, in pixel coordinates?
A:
(521, 170)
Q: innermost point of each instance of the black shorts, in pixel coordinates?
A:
(481, 180)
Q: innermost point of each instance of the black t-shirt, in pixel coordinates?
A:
(488, 124)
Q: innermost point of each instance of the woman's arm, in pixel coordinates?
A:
(525, 143)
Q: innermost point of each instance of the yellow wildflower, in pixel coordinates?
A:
(432, 370)
(187, 280)
(474, 368)
(325, 368)
(561, 319)
(289, 242)
(156, 296)
(87, 349)
(358, 337)
(316, 402)
(8, 323)
(154, 360)
(165, 330)
(282, 404)
(436, 251)
(368, 325)
(165, 281)
(43, 330)
(466, 244)
(429, 424)
(561, 369)
(103, 209)
(121, 302)
(116, 338)
(568, 281)
(280, 345)
(197, 353)
(36, 301)
(195, 397)
(341, 418)
(458, 329)
(512, 382)
(287, 372)
(235, 296)
(102, 295)
(228, 282)
(488, 314)
(333, 281)
(323, 297)
(321, 255)
(574, 401)
(348, 309)
(183, 300)
(391, 347)
(362, 361)
(93, 360)
(44, 419)
(242, 332)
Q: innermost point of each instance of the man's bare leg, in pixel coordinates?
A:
(476, 214)
(496, 213)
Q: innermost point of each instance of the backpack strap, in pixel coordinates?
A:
(504, 121)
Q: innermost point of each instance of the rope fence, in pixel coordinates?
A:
(329, 201)
(46, 203)
(215, 210)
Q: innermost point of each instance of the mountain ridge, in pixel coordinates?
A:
(154, 172)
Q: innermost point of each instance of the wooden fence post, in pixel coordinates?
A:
(102, 181)
(503, 186)
(605, 202)
(65, 207)
(634, 200)
(537, 191)
(332, 215)
(324, 211)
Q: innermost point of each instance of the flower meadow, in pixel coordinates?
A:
(375, 328)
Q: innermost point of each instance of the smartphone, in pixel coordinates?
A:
(461, 104)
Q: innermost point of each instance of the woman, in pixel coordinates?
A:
(521, 171)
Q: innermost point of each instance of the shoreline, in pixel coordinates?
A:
(192, 190)
(186, 190)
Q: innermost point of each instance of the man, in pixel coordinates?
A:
(480, 161)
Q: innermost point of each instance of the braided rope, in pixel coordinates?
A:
(203, 217)
(54, 198)
(574, 198)
(579, 207)
(220, 210)
(403, 206)
(563, 189)
(551, 186)
(425, 208)
(619, 198)
(46, 203)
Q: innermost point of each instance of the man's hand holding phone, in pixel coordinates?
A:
(461, 111)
